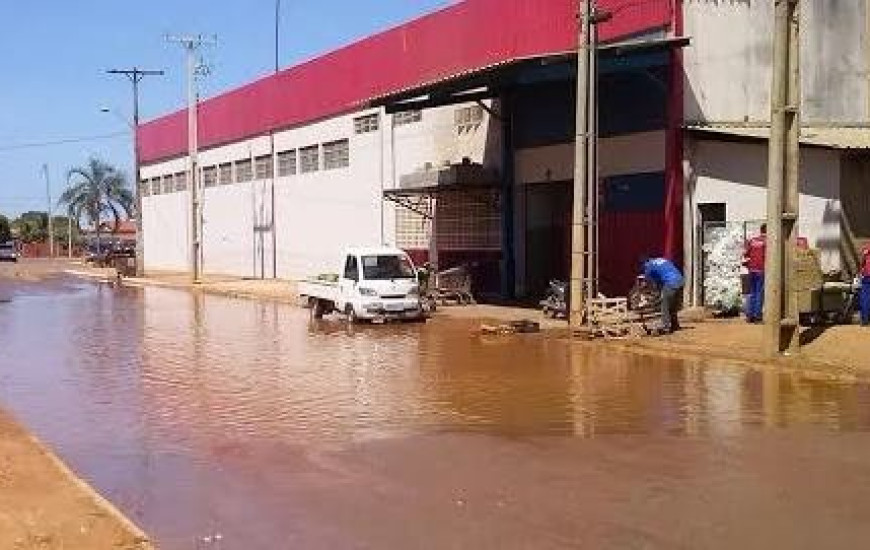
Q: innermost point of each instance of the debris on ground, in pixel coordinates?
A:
(523, 326)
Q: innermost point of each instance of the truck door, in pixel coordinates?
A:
(349, 279)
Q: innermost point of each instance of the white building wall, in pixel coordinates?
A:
(729, 62)
(317, 214)
(166, 223)
(736, 174)
(627, 154)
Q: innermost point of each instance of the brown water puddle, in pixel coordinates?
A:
(219, 423)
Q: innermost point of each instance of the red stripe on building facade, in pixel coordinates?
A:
(469, 35)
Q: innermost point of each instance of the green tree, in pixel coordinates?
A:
(31, 227)
(5, 229)
(61, 230)
(98, 191)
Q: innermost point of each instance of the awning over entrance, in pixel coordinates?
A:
(417, 189)
(487, 82)
(830, 137)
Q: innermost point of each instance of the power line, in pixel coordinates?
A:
(61, 141)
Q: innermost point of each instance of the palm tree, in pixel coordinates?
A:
(95, 191)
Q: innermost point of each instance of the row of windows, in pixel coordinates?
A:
(335, 154)
(465, 119)
(372, 123)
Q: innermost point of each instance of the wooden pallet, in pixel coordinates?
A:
(610, 318)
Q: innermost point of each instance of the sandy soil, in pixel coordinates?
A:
(43, 506)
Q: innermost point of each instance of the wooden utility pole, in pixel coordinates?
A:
(49, 212)
(136, 75)
(781, 316)
(578, 287)
(584, 234)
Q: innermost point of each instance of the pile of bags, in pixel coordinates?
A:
(723, 253)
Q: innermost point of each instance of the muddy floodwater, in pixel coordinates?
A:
(220, 423)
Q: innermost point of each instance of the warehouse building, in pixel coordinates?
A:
(449, 136)
(452, 136)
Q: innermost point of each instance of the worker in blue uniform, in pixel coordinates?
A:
(669, 280)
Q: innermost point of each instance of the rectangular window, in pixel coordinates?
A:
(181, 181)
(407, 117)
(287, 163)
(209, 176)
(351, 269)
(156, 188)
(225, 173)
(243, 170)
(263, 167)
(336, 154)
(309, 159)
(168, 184)
(145, 187)
(366, 124)
(468, 117)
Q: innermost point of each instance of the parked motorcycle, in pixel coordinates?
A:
(555, 302)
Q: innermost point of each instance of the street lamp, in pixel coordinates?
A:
(127, 122)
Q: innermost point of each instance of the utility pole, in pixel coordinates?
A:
(578, 288)
(48, 212)
(136, 75)
(781, 316)
(277, 32)
(272, 147)
(584, 234)
(191, 44)
(69, 235)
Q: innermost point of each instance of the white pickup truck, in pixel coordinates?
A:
(374, 284)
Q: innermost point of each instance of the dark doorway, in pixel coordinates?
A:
(548, 235)
(711, 212)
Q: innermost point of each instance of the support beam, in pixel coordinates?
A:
(438, 101)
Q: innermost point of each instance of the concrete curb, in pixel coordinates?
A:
(290, 299)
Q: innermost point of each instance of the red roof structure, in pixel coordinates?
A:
(463, 37)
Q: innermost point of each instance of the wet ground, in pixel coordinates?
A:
(221, 423)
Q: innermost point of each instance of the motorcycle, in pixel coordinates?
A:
(555, 302)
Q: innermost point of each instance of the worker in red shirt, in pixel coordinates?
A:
(753, 259)
(865, 285)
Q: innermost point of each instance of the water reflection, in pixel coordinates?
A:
(158, 395)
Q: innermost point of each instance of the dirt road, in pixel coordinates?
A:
(42, 504)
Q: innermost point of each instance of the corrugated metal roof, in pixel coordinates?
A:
(843, 137)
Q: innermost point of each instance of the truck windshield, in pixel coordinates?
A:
(379, 268)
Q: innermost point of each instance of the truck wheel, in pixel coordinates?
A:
(350, 313)
(317, 308)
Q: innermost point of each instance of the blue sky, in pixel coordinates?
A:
(55, 54)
